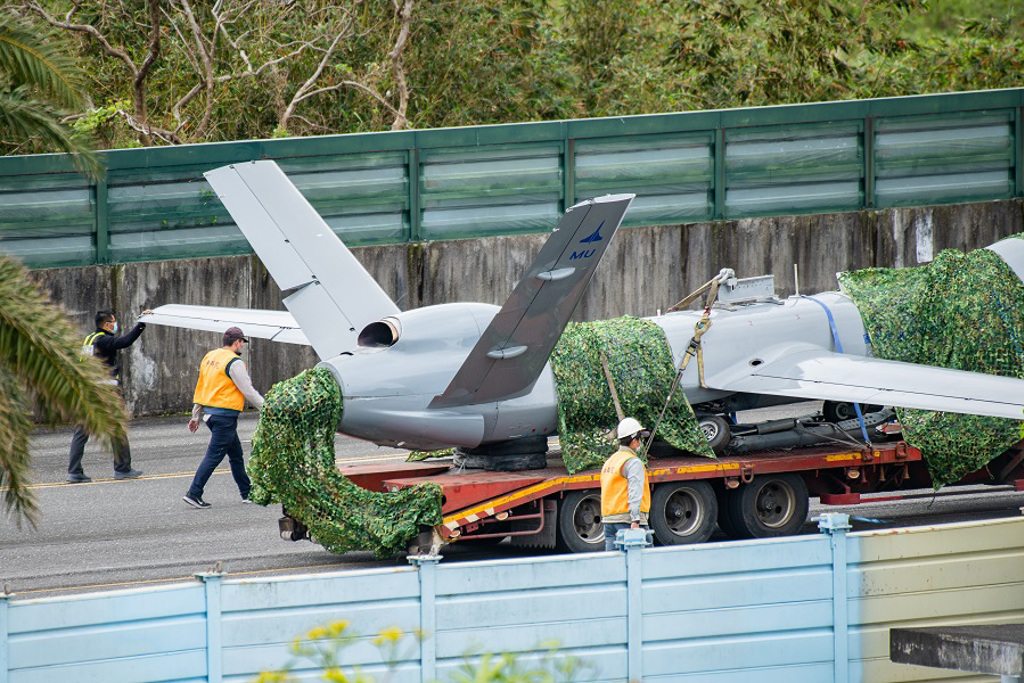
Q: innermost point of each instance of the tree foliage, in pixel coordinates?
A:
(174, 71)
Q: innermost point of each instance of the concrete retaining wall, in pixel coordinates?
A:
(645, 269)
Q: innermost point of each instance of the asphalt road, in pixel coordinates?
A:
(111, 534)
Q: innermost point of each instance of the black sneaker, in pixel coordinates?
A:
(195, 501)
(130, 474)
(78, 479)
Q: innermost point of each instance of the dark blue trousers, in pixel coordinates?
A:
(223, 441)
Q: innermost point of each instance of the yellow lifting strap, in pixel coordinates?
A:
(694, 348)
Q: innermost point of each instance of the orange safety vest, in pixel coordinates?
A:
(615, 487)
(215, 388)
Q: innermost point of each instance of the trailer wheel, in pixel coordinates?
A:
(770, 505)
(716, 430)
(579, 522)
(683, 512)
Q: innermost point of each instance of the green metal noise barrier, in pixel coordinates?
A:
(408, 186)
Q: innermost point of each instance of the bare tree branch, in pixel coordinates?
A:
(139, 73)
(397, 65)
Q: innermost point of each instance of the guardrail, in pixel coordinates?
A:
(807, 608)
(403, 186)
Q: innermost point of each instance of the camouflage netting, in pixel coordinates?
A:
(293, 464)
(962, 311)
(642, 370)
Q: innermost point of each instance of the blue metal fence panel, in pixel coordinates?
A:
(263, 618)
(759, 610)
(705, 613)
(150, 635)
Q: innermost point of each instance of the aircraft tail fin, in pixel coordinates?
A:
(512, 351)
(328, 291)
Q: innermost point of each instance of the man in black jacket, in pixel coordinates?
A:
(105, 344)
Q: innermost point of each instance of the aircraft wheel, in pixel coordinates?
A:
(683, 512)
(770, 505)
(524, 446)
(501, 463)
(579, 522)
(837, 411)
(716, 430)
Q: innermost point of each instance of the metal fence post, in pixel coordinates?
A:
(426, 566)
(413, 171)
(214, 642)
(102, 223)
(836, 524)
(633, 542)
(718, 187)
(1018, 151)
(869, 162)
(568, 173)
(5, 636)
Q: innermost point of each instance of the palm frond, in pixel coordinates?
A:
(39, 349)
(34, 60)
(14, 452)
(26, 118)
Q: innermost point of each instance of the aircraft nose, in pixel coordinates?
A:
(1011, 250)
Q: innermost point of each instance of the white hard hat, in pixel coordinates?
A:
(628, 427)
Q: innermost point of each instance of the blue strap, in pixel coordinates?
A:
(871, 521)
(839, 348)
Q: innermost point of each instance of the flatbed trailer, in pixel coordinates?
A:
(755, 495)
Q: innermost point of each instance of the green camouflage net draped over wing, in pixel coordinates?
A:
(642, 370)
(293, 463)
(962, 311)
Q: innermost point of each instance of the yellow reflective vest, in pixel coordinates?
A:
(215, 388)
(615, 487)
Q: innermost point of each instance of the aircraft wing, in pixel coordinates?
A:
(328, 291)
(512, 351)
(277, 326)
(811, 372)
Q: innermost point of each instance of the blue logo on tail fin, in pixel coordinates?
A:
(594, 236)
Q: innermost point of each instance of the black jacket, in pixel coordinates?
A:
(107, 345)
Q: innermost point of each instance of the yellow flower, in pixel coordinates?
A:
(338, 627)
(392, 634)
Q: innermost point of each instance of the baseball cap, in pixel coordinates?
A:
(233, 333)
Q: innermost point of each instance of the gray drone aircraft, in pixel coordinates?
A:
(474, 375)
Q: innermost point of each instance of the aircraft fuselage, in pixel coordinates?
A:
(387, 388)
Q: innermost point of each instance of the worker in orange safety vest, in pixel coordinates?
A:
(625, 493)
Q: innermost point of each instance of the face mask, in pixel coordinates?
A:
(113, 330)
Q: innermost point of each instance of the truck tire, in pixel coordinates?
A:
(579, 522)
(725, 522)
(771, 505)
(683, 512)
